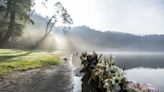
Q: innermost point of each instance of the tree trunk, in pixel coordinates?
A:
(9, 30)
(39, 42)
(48, 31)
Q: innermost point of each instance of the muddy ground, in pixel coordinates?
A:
(53, 79)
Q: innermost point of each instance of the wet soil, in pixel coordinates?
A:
(52, 79)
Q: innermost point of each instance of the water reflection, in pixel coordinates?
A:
(77, 83)
(154, 77)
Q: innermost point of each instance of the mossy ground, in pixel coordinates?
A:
(18, 60)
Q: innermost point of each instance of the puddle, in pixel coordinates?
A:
(80, 81)
(76, 75)
(77, 80)
(77, 84)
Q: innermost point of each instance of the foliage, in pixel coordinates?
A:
(14, 12)
(111, 76)
(60, 15)
(10, 13)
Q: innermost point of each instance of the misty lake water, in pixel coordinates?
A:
(142, 67)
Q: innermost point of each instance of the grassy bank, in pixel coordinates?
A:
(18, 60)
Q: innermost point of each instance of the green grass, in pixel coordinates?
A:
(18, 60)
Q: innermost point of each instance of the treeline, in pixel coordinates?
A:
(117, 40)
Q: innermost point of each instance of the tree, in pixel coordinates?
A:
(61, 15)
(14, 9)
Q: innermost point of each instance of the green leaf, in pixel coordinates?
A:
(24, 14)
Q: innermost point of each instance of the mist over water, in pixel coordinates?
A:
(138, 59)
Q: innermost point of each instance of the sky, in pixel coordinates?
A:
(129, 16)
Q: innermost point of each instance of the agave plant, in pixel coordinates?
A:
(111, 76)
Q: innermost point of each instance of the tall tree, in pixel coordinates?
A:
(60, 15)
(15, 9)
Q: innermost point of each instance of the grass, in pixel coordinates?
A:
(17, 60)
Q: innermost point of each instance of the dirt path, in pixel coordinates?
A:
(52, 79)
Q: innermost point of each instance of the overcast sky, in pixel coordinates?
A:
(130, 16)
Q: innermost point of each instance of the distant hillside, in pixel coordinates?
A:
(86, 38)
(117, 41)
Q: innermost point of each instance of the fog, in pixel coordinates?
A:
(59, 41)
(71, 40)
